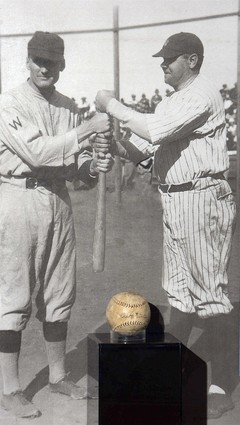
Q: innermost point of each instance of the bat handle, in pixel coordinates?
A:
(100, 226)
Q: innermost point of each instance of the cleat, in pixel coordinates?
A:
(69, 388)
(218, 404)
(92, 393)
(17, 404)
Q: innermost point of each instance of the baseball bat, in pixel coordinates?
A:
(99, 239)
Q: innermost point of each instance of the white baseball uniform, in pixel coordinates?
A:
(38, 139)
(187, 132)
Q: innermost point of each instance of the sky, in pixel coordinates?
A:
(90, 57)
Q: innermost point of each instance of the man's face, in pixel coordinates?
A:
(176, 71)
(44, 73)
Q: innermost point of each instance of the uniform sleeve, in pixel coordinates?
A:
(141, 145)
(171, 121)
(135, 149)
(80, 169)
(25, 140)
(83, 169)
(179, 119)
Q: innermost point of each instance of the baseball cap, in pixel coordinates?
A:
(179, 44)
(46, 45)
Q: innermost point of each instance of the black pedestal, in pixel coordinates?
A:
(159, 382)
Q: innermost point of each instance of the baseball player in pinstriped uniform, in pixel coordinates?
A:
(42, 144)
(187, 136)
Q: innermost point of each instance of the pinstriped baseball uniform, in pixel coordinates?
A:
(187, 133)
(37, 138)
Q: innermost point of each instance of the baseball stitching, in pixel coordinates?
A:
(123, 325)
(124, 304)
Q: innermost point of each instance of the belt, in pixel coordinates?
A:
(182, 187)
(31, 182)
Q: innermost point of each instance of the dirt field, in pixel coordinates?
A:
(133, 262)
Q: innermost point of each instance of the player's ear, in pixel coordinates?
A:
(193, 60)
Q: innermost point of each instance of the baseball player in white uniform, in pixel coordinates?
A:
(187, 136)
(42, 144)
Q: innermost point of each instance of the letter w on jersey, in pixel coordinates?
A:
(16, 123)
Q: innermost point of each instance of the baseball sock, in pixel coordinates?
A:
(181, 324)
(219, 342)
(10, 375)
(10, 343)
(55, 335)
(56, 359)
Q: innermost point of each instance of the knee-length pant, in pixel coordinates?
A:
(37, 247)
(198, 228)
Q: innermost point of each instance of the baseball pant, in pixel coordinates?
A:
(198, 227)
(37, 248)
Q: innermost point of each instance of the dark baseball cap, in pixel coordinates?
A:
(46, 45)
(179, 44)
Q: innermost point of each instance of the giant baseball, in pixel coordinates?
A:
(128, 313)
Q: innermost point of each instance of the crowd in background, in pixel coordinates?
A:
(230, 105)
(148, 105)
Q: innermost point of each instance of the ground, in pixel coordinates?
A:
(133, 262)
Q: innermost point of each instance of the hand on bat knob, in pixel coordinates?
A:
(103, 98)
(100, 123)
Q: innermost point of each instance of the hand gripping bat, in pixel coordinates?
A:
(99, 239)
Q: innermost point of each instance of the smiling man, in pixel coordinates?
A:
(187, 136)
(42, 144)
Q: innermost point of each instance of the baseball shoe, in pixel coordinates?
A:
(17, 404)
(219, 404)
(69, 388)
(92, 393)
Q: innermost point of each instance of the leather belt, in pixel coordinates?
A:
(182, 187)
(167, 188)
(33, 182)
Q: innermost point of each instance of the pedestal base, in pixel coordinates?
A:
(158, 382)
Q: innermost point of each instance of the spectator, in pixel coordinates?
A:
(168, 93)
(123, 101)
(156, 98)
(227, 103)
(231, 134)
(233, 94)
(92, 110)
(133, 102)
(143, 104)
(224, 90)
(84, 108)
